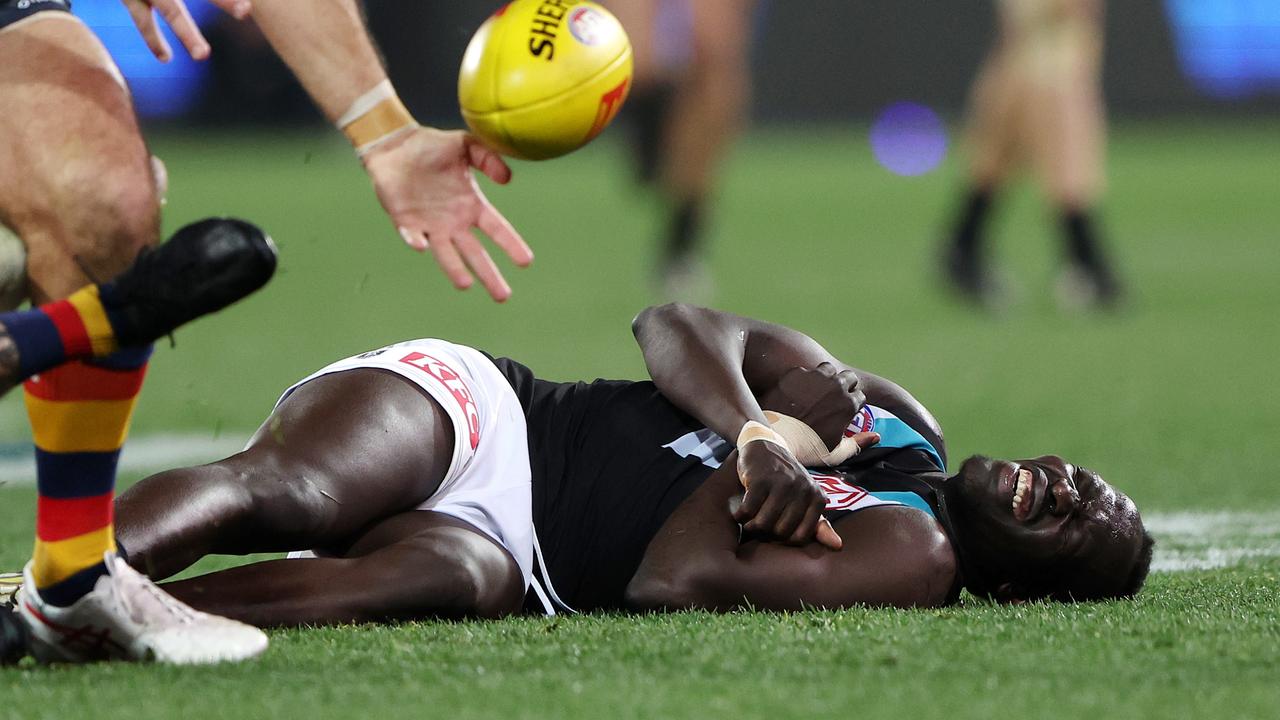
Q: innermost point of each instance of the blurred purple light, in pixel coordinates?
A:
(909, 139)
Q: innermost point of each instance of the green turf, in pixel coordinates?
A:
(1173, 399)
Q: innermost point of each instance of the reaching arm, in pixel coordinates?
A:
(714, 365)
(892, 556)
(422, 175)
(325, 43)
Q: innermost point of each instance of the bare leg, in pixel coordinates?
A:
(342, 452)
(995, 147)
(80, 193)
(1065, 117)
(412, 565)
(1065, 130)
(686, 123)
(79, 186)
(711, 101)
(992, 134)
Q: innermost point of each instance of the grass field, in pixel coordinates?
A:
(1174, 400)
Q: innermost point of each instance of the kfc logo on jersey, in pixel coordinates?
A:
(446, 376)
(840, 494)
(864, 421)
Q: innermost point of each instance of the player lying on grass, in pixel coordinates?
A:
(432, 480)
(65, 348)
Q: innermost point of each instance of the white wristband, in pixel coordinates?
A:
(366, 102)
(375, 117)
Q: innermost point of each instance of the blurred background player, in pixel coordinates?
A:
(1038, 100)
(83, 194)
(692, 87)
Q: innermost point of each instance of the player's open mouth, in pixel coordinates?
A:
(1029, 492)
(1023, 494)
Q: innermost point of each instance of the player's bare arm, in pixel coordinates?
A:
(683, 343)
(714, 365)
(697, 561)
(422, 176)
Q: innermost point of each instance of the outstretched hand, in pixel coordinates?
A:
(178, 18)
(425, 184)
(782, 502)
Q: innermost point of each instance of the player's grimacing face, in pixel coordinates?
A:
(1042, 526)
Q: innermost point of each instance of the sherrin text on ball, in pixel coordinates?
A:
(541, 78)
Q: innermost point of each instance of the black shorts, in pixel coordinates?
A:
(11, 11)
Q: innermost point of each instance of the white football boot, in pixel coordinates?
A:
(128, 617)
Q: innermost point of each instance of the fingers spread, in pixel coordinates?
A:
(477, 258)
(451, 262)
(503, 234)
(145, 19)
(175, 13)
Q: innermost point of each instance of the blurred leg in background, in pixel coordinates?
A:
(690, 99)
(1038, 101)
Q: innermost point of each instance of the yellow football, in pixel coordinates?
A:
(541, 78)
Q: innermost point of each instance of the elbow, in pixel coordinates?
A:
(666, 315)
(935, 575)
(674, 589)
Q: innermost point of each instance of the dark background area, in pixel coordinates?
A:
(828, 60)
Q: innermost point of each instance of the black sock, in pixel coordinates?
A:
(973, 219)
(648, 110)
(684, 234)
(1082, 239)
(1085, 251)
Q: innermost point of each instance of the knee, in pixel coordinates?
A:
(97, 216)
(119, 219)
(483, 588)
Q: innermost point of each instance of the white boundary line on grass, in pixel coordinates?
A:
(1184, 540)
(142, 454)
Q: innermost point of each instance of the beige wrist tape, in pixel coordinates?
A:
(807, 446)
(754, 431)
(375, 118)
